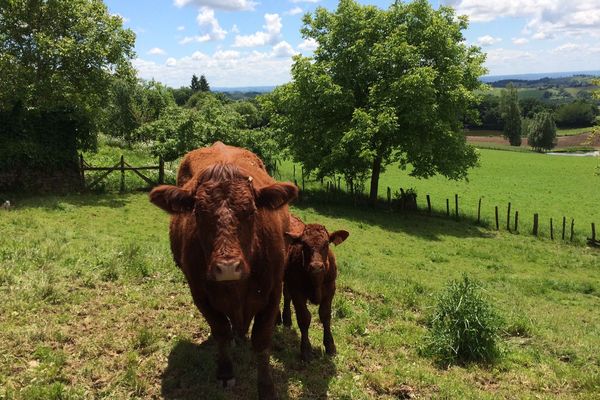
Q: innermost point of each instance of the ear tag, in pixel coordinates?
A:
(250, 179)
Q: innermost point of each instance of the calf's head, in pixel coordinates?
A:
(224, 204)
(314, 244)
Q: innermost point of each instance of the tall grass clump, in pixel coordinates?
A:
(464, 327)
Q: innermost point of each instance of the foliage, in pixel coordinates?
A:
(250, 113)
(464, 326)
(181, 95)
(203, 84)
(57, 61)
(511, 115)
(576, 114)
(133, 104)
(541, 132)
(383, 85)
(195, 84)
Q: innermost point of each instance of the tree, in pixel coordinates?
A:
(542, 131)
(195, 84)
(384, 86)
(578, 114)
(58, 60)
(204, 84)
(511, 115)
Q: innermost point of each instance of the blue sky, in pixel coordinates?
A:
(250, 43)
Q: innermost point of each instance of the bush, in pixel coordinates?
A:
(464, 327)
(541, 132)
(578, 114)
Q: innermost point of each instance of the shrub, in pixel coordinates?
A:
(541, 132)
(464, 326)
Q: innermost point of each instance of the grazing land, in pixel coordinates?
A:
(92, 306)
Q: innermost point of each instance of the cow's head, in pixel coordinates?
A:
(314, 243)
(224, 204)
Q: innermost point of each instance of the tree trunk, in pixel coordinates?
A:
(375, 180)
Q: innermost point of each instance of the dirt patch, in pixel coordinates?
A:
(563, 141)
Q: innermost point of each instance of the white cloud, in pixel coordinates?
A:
(309, 44)
(270, 35)
(294, 11)
(223, 68)
(157, 51)
(545, 18)
(181, 28)
(209, 24)
(198, 39)
(570, 48)
(305, 1)
(283, 49)
(227, 5)
(520, 41)
(488, 40)
(235, 29)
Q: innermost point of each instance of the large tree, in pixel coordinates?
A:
(383, 86)
(58, 60)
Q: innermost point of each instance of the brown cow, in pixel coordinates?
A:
(227, 236)
(310, 275)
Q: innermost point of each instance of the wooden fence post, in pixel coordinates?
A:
(535, 224)
(428, 205)
(551, 230)
(479, 211)
(564, 227)
(456, 206)
(161, 170)
(593, 232)
(294, 172)
(122, 188)
(508, 218)
(389, 197)
(497, 222)
(339, 183)
(303, 178)
(447, 207)
(572, 228)
(516, 221)
(81, 171)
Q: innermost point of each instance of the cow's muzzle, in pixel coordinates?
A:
(230, 270)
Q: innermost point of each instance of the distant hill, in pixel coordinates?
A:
(244, 89)
(537, 76)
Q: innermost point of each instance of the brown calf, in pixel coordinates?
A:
(310, 275)
(228, 219)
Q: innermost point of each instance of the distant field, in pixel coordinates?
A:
(553, 186)
(559, 132)
(91, 306)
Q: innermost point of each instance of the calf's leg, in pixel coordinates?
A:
(287, 308)
(325, 317)
(303, 317)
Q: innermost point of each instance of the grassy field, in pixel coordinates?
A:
(559, 132)
(91, 306)
(552, 186)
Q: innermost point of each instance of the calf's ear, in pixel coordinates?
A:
(338, 237)
(172, 199)
(276, 195)
(294, 237)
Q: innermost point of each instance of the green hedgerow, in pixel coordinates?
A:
(464, 326)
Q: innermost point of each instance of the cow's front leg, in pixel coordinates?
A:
(325, 317)
(303, 317)
(221, 331)
(262, 333)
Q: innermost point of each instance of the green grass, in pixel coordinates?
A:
(552, 186)
(559, 132)
(91, 306)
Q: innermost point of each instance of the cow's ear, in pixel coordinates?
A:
(338, 237)
(276, 195)
(172, 199)
(293, 236)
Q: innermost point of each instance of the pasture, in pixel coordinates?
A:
(92, 306)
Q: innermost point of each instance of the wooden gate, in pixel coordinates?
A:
(121, 166)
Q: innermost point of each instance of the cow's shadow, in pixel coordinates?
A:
(190, 372)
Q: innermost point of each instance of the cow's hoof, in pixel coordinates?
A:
(287, 324)
(306, 355)
(330, 349)
(267, 392)
(227, 383)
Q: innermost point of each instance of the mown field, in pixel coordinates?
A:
(91, 306)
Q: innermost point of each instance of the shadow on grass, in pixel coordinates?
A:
(190, 373)
(415, 223)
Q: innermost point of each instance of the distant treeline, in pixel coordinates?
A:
(575, 81)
